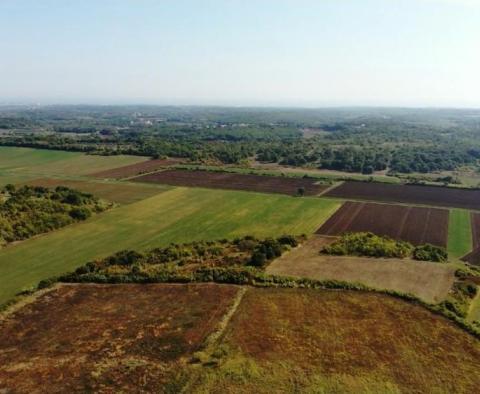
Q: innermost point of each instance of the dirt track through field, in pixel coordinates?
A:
(412, 224)
(234, 181)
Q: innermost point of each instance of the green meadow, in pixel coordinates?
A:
(459, 233)
(175, 215)
(24, 164)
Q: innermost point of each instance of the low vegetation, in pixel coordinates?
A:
(28, 211)
(182, 262)
(371, 245)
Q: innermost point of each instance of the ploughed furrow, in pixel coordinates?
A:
(436, 232)
(339, 221)
(416, 225)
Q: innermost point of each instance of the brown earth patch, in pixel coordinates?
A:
(410, 194)
(416, 225)
(129, 338)
(428, 281)
(136, 169)
(226, 180)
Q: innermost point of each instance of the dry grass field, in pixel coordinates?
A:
(429, 281)
(307, 341)
(85, 338)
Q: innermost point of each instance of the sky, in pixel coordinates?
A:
(241, 52)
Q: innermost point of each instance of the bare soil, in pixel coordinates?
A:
(410, 194)
(416, 225)
(225, 180)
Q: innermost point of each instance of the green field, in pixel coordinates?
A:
(23, 164)
(176, 215)
(114, 191)
(459, 233)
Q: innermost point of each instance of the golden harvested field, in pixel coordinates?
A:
(429, 281)
(308, 341)
(125, 337)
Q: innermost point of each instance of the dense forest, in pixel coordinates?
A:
(28, 211)
(351, 140)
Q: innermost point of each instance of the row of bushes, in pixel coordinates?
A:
(371, 245)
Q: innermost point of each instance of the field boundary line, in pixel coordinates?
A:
(222, 326)
(335, 185)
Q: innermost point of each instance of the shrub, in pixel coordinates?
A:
(368, 244)
(429, 252)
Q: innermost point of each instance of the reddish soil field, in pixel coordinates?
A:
(136, 169)
(225, 180)
(413, 194)
(412, 224)
(129, 338)
(474, 256)
(346, 342)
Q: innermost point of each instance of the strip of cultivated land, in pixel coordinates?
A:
(474, 256)
(136, 169)
(409, 194)
(416, 225)
(119, 192)
(459, 233)
(128, 338)
(80, 338)
(225, 180)
(428, 281)
(178, 215)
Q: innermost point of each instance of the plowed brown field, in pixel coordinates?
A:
(225, 180)
(413, 194)
(412, 224)
(136, 169)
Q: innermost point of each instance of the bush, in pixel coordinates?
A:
(368, 244)
(429, 252)
(80, 213)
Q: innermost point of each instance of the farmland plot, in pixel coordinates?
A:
(474, 256)
(136, 169)
(224, 180)
(306, 341)
(412, 224)
(410, 194)
(131, 338)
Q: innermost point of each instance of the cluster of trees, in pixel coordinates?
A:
(371, 245)
(28, 211)
(188, 258)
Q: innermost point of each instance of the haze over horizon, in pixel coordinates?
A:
(412, 53)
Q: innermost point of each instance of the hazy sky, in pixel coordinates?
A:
(241, 52)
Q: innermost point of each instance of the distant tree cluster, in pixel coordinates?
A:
(363, 141)
(28, 211)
